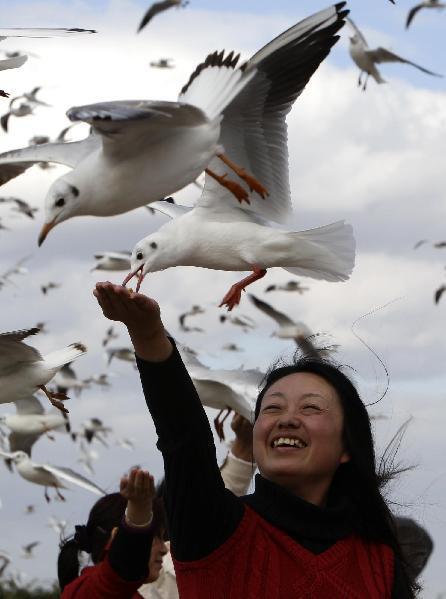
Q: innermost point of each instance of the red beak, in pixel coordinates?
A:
(138, 272)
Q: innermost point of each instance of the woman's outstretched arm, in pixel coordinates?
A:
(201, 513)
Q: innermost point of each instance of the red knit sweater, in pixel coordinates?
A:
(100, 582)
(260, 562)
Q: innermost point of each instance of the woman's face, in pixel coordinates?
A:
(297, 438)
(159, 550)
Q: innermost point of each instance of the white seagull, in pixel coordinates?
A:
(30, 422)
(424, 4)
(223, 390)
(217, 233)
(112, 261)
(367, 59)
(289, 329)
(141, 151)
(48, 475)
(23, 369)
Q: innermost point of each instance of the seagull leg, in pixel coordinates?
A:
(364, 87)
(252, 182)
(59, 494)
(360, 79)
(54, 397)
(232, 298)
(47, 497)
(219, 422)
(240, 193)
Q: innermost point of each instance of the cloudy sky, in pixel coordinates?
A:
(375, 159)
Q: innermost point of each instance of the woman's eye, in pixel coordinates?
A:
(311, 406)
(271, 407)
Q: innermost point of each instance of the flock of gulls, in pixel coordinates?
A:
(228, 123)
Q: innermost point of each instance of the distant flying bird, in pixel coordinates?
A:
(162, 63)
(28, 549)
(17, 269)
(45, 288)
(30, 509)
(87, 457)
(112, 261)
(15, 109)
(439, 293)
(289, 329)
(158, 7)
(23, 369)
(49, 476)
(289, 286)
(109, 335)
(125, 443)
(367, 59)
(192, 312)
(67, 379)
(94, 428)
(20, 206)
(424, 4)
(98, 379)
(231, 347)
(59, 526)
(245, 322)
(121, 353)
(31, 97)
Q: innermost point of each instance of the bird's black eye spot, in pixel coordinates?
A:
(60, 202)
(153, 245)
(139, 256)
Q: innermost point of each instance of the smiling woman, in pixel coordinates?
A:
(315, 526)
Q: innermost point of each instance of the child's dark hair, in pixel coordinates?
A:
(361, 478)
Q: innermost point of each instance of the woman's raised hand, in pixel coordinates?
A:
(141, 316)
(139, 490)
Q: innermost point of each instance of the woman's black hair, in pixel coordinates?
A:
(92, 538)
(361, 478)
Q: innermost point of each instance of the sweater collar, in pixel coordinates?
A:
(300, 518)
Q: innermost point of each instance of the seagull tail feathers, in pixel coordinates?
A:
(215, 83)
(60, 357)
(326, 253)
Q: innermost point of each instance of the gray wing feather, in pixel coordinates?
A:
(30, 405)
(254, 131)
(281, 318)
(20, 442)
(357, 31)
(382, 55)
(13, 351)
(156, 8)
(412, 12)
(13, 63)
(73, 477)
(15, 162)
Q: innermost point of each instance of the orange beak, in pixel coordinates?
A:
(45, 230)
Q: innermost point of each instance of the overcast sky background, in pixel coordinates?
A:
(375, 159)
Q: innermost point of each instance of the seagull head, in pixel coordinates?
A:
(15, 456)
(62, 202)
(151, 254)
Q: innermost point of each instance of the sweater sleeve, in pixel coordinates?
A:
(237, 474)
(201, 513)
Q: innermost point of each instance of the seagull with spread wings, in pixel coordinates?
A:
(48, 475)
(219, 234)
(112, 261)
(367, 59)
(424, 4)
(23, 369)
(159, 7)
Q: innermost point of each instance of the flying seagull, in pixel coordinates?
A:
(222, 235)
(20, 206)
(112, 261)
(28, 549)
(48, 475)
(158, 7)
(122, 165)
(162, 63)
(23, 369)
(289, 329)
(289, 286)
(109, 335)
(30, 422)
(121, 353)
(192, 312)
(15, 109)
(367, 59)
(424, 4)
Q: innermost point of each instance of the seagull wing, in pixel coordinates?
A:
(253, 130)
(170, 210)
(439, 293)
(14, 352)
(281, 318)
(42, 32)
(16, 162)
(73, 477)
(22, 442)
(382, 55)
(156, 8)
(30, 405)
(357, 31)
(412, 12)
(126, 125)
(13, 63)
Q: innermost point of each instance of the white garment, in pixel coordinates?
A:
(236, 474)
